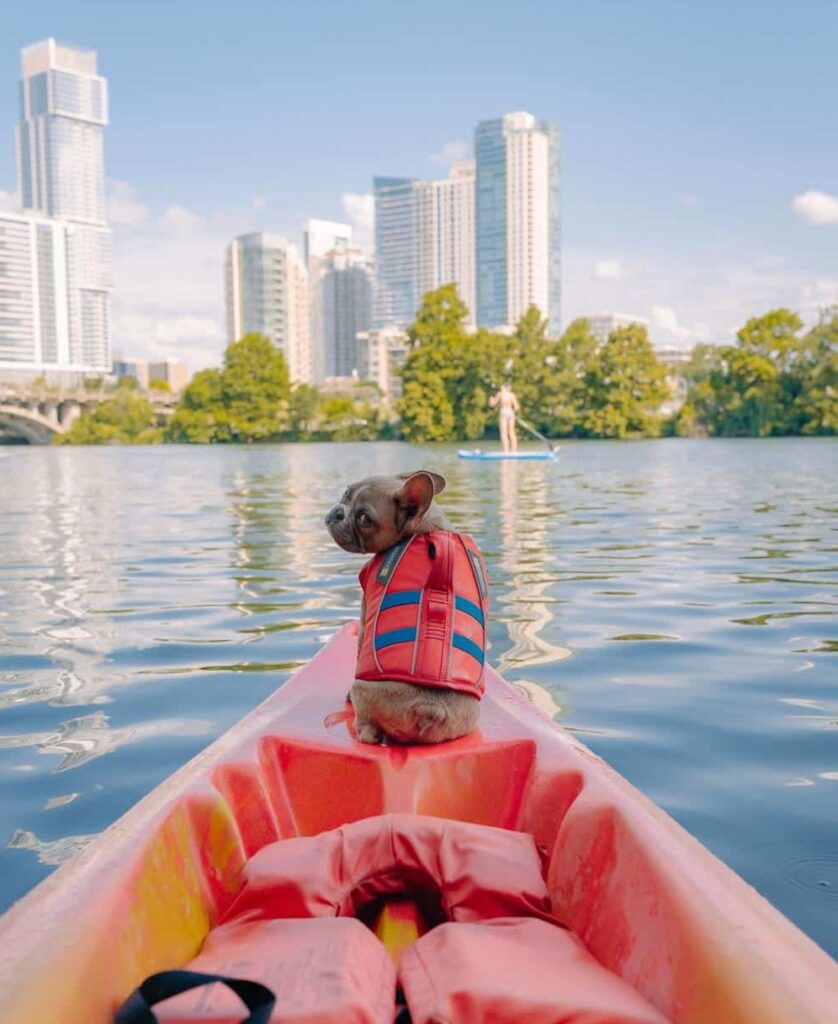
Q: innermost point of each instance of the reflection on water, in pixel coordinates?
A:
(674, 603)
(525, 514)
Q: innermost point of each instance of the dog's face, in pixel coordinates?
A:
(377, 512)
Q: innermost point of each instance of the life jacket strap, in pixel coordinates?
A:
(156, 988)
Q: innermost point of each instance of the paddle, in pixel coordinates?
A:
(553, 447)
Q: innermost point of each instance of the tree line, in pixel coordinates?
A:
(776, 379)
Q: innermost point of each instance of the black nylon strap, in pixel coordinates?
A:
(136, 1009)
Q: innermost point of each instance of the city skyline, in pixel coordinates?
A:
(698, 183)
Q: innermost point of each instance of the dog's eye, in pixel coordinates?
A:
(363, 519)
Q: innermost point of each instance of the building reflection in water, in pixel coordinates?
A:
(63, 547)
(523, 603)
(83, 739)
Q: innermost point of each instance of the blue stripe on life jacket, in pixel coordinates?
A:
(400, 597)
(463, 643)
(462, 604)
(395, 636)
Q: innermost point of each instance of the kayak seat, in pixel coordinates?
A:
(496, 953)
(477, 871)
(510, 971)
(320, 971)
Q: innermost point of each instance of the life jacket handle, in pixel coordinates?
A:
(156, 988)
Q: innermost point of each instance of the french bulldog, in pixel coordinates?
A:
(373, 515)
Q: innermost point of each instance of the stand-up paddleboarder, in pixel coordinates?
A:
(508, 406)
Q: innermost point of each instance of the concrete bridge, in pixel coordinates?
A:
(31, 415)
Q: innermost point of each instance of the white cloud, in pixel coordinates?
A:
(668, 330)
(816, 207)
(124, 205)
(195, 340)
(608, 270)
(8, 202)
(180, 220)
(168, 297)
(701, 296)
(360, 212)
(450, 153)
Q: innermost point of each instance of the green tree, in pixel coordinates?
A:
(303, 407)
(127, 418)
(532, 358)
(159, 385)
(256, 388)
(433, 367)
(814, 398)
(247, 400)
(758, 386)
(345, 418)
(200, 416)
(565, 395)
(741, 396)
(624, 387)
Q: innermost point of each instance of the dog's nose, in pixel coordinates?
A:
(334, 516)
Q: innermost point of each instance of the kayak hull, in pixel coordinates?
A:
(525, 456)
(651, 904)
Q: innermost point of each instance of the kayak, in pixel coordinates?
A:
(526, 456)
(287, 845)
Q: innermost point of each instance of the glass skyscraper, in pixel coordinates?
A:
(267, 293)
(395, 251)
(518, 221)
(424, 238)
(61, 181)
(345, 294)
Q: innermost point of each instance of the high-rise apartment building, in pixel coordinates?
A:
(424, 238)
(445, 233)
(345, 290)
(267, 293)
(62, 228)
(517, 220)
(395, 251)
(321, 240)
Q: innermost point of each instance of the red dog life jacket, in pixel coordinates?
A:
(426, 605)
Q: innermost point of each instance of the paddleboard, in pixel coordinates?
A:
(477, 453)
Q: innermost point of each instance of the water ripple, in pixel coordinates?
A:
(673, 602)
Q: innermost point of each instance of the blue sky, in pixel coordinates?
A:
(699, 141)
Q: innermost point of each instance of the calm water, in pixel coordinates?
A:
(672, 602)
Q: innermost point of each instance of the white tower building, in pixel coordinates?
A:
(345, 290)
(425, 233)
(62, 232)
(61, 174)
(517, 220)
(267, 293)
(321, 239)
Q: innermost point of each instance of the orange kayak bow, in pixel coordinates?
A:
(638, 897)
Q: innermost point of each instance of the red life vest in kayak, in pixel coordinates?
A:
(426, 605)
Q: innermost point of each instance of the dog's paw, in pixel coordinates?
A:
(369, 733)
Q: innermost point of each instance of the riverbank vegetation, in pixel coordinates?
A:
(776, 379)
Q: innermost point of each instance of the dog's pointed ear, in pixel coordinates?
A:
(414, 499)
(438, 480)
